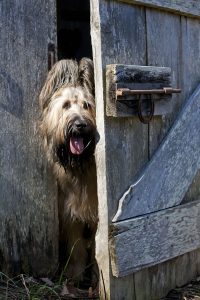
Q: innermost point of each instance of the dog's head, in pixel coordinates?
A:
(68, 119)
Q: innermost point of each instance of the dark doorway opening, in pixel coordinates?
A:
(74, 42)
(73, 29)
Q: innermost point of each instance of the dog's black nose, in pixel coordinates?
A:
(80, 124)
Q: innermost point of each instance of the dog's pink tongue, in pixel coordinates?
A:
(76, 145)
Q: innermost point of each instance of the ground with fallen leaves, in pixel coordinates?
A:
(28, 288)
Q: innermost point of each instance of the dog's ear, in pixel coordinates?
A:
(63, 72)
(86, 74)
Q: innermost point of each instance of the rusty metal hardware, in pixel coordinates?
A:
(128, 92)
(144, 118)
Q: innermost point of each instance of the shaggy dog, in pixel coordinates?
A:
(68, 130)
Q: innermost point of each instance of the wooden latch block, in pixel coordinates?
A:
(138, 90)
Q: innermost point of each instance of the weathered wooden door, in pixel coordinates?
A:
(149, 230)
(28, 209)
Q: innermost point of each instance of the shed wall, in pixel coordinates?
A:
(28, 207)
(129, 34)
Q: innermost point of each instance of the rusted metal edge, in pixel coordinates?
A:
(128, 92)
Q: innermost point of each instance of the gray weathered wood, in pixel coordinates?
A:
(164, 32)
(169, 174)
(110, 46)
(180, 40)
(28, 207)
(190, 77)
(181, 7)
(167, 45)
(136, 77)
(154, 238)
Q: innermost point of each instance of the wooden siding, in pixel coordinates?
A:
(154, 238)
(156, 38)
(110, 46)
(28, 207)
(171, 170)
(188, 8)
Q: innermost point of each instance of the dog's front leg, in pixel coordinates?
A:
(76, 250)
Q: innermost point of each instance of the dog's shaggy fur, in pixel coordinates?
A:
(68, 129)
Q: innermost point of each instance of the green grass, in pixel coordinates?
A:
(23, 287)
(67, 263)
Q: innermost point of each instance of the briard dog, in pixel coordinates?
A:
(69, 132)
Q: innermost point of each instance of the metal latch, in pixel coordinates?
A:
(128, 92)
(144, 95)
(143, 91)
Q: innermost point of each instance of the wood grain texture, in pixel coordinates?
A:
(170, 172)
(168, 37)
(163, 48)
(164, 32)
(113, 43)
(189, 8)
(190, 77)
(148, 240)
(28, 207)
(136, 78)
(179, 37)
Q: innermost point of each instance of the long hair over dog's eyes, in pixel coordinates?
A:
(67, 105)
(86, 105)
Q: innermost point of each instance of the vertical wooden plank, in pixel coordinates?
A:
(28, 208)
(189, 8)
(190, 77)
(187, 266)
(118, 36)
(190, 61)
(171, 33)
(168, 37)
(155, 282)
(163, 49)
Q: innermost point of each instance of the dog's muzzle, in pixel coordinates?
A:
(79, 136)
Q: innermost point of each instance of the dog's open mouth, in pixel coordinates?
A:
(78, 144)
